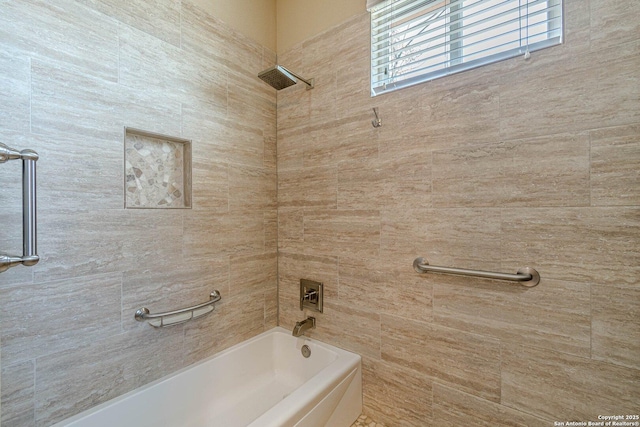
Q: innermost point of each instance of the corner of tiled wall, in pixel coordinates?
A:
(520, 163)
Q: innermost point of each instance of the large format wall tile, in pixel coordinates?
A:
(360, 184)
(271, 307)
(406, 182)
(18, 387)
(400, 396)
(469, 176)
(98, 178)
(62, 314)
(578, 236)
(553, 315)
(146, 61)
(308, 187)
(554, 103)
(251, 275)
(615, 154)
(234, 320)
(393, 181)
(72, 102)
(615, 86)
(493, 168)
(403, 235)
(615, 328)
(203, 34)
(210, 186)
(60, 390)
(251, 188)
(160, 18)
(14, 98)
(67, 101)
(102, 181)
(453, 408)
(218, 138)
(228, 234)
(74, 74)
(366, 283)
(290, 229)
(64, 31)
(519, 163)
(342, 232)
(600, 90)
(246, 99)
(613, 22)
(347, 138)
(510, 174)
(294, 102)
(351, 94)
(192, 78)
(442, 114)
(471, 362)
(291, 148)
(467, 238)
(558, 386)
(77, 243)
(349, 328)
(270, 228)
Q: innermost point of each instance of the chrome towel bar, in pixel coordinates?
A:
(526, 276)
(29, 242)
(176, 317)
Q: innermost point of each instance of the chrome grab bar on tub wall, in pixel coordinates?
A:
(29, 232)
(527, 276)
(176, 317)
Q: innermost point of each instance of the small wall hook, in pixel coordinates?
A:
(377, 122)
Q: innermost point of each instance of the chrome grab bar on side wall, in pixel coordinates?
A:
(527, 276)
(29, 232)
(176, 317)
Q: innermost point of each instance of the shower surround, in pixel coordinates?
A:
(519, 163)
(74, 74)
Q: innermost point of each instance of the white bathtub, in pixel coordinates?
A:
(262, 382)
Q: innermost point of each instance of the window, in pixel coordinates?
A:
(413, 41)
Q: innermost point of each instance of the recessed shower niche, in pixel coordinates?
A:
(157, 171)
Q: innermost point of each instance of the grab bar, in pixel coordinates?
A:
(526, 276)
(29, 242)
(176, 317)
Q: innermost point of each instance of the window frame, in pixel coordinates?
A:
(452, 41)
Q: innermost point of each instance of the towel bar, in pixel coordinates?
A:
(29, 242)
(527, 276)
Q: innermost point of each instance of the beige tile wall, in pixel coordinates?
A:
(518, 163)
(73, 75)
(515, 164)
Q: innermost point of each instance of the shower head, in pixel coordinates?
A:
(280, 78)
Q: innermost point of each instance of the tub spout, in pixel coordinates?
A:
(303, 326)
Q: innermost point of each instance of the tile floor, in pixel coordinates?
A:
(364, 421)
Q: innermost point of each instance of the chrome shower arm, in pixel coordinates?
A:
(310, 83)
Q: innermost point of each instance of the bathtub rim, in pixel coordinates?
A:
(353, 361)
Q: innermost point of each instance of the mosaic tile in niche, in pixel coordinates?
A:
(157, 171)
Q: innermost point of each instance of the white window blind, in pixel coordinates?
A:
(413, 41)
